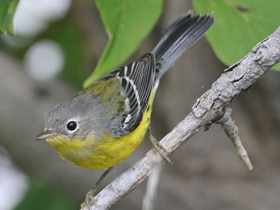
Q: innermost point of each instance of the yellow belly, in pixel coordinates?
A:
(106, 153)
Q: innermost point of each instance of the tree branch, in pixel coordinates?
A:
(209, 108)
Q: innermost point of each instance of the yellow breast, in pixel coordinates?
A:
(107, 152)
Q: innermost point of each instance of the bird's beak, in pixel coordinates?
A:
(45, 135)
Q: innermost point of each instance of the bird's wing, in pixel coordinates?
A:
(137, 80)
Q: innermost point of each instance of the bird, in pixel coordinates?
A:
(104, 123)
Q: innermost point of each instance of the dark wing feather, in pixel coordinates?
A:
(137, 80)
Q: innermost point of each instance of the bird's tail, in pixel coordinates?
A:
(178, 37)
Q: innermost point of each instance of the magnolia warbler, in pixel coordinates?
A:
(104, 123)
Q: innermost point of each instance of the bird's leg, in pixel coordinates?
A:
(90, 195)
(160, 150)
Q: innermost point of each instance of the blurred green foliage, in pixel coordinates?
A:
(70, 39)
(66, 33)
(127, 23)
(7, 10)
(42, 196)
(239, 25)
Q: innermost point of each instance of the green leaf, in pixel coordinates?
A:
(7, 11)
(127, 23)
(44, 197)
(239, 25)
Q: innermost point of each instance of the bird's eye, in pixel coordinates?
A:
(71, 126)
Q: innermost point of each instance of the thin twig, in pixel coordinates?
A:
(150, 195)
(207, 109)
(241, 151)
(232, 131)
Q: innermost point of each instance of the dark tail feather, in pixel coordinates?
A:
(179, 37)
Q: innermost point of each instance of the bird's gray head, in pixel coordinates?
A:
(80, 116)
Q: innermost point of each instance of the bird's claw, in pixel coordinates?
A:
(89, 200)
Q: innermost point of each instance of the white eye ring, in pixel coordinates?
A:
(72, 126)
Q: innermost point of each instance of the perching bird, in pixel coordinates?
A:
(105, 123)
